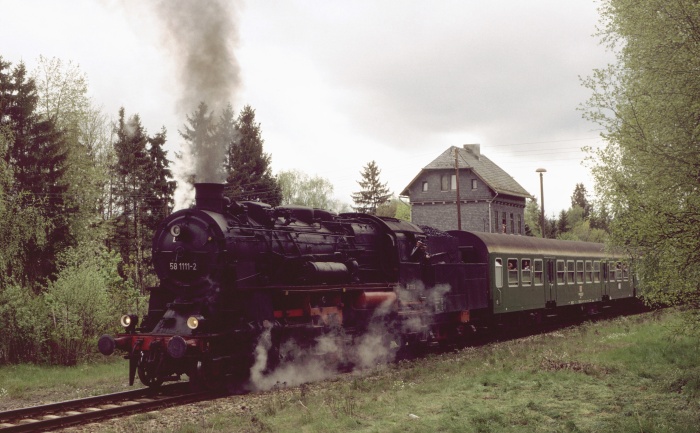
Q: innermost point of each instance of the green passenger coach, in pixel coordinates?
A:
(527, 273)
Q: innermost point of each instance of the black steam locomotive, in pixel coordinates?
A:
(235, 274)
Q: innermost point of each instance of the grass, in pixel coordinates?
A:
(27, 384)
(630, 374)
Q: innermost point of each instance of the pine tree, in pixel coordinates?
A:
(578, 198)
(249, 174)
(373, 193)
(129, 192)
(159, 186)
(200, 135)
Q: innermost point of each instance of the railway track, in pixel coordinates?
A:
(67, 413)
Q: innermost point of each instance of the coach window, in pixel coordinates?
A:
(579, 271)
(570, 271)
(561, 272)
(619, 272)
(498, 273)
(512, 272)
(625, 271)
(596, 271)
(525, 272)
(612, 272)
(589, 271)
(539, 272)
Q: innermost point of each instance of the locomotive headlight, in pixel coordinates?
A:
(129, 320)
(194, 322)
(175, 230)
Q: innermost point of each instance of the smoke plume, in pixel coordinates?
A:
(201, 37)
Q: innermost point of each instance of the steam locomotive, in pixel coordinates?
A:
(238, 278)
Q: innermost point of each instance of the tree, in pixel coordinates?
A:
(649, 106)
(159, 186)
(37, 156)
(201, 139)
(579, 198)
(249, 174)
(144, 195)
(533, 221)
(373, 193)
(301, 189)
(63, 98)
(395, 208)
(563, 222)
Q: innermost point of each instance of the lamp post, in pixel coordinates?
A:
(540, 171)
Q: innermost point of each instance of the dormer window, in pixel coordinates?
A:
(424, 186)
(474, 185)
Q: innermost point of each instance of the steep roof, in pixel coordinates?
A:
(470, 157)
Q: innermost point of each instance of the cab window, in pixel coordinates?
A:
(525, 272)
(539, 272)
(512, 272)
(561, 272)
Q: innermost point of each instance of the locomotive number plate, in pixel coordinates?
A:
(183, 266)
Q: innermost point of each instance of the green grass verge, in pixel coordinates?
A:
(631, 374)
(27, 384)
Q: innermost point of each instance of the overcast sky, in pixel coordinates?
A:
(336, 84)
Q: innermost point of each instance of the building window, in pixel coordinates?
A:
(512, 224)
(425, 186)
(520, 224)
(474, 184)
(496, 227)
(448, 182)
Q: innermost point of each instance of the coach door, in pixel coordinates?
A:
(550, 291)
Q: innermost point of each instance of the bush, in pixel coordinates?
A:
(83, 303)
(23, 326)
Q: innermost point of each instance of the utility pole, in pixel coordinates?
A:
(542, 220)
(459, 202)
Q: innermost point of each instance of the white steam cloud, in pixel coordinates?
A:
(320, 360)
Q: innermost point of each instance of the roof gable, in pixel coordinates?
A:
(469, 157)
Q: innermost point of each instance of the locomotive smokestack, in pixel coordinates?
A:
(209, 196)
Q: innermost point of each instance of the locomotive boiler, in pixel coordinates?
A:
(231, 272)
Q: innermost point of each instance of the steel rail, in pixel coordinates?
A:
(80, 411)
